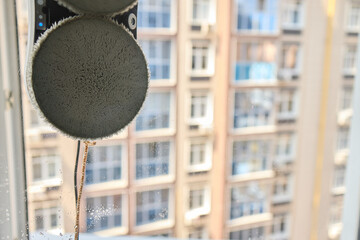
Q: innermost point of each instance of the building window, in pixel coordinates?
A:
(285, 148)
(155, 14)
(257, 16)
(152, 206)
(353, 16)
(349, 68)
(336, 211)
(247, 234)
(152, 159)
(343, 138)
(202, 61)
(283, 189)
(339, 176)
(253, 108)
(247, 201)
(292, 15)
(104, 164)
(255, 62)
(48, 219)
(203, 11)
(250, 156)
(158, 54)
(103, 212)
(155, 113)
(287, 105)
(200, 109)
(198, 233)
(200, 155)
(280, 227)
(46, 166)
(197, 198)
(290, 61)
(346, 100)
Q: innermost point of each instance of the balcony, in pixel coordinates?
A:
(258, 72)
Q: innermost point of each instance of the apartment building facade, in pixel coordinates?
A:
(227, 143)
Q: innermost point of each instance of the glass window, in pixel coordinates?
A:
(158, 54)
(247, 201)
(339, 176)
(197, 198)
(250, 156)
(285, 148)
(353, 16)
(280, 226)
(104, 164)
(292, 14)
(253, 108)
(48, 218)
(343, 138)
(252, 233)
(287, 104)
(155, 113)
(202, 61)
(155, 14)
(152, 159)
(103, 212)
(197, 153)
(198, 233)
(290, 61)
(255, 61)
(201, 11)
(346, 100)
(257, 15)
(200, 109)
(152, 206)
(350, 60)
(283, 188)
(45, 166)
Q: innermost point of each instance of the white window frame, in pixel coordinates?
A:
(339, 177)
(252, 53)
(173, 60)
(160, 224)
(280, 195)
(251, 157)
(254, 30)
(170, 161)
(207, 164)
(173, 19)
(44, 158)
(278, 219)
(285, 140)
(350, 12)
(157, 179)
(350, 59)
(346, 98)
(99, 212)
(251, 190)
(172, 118)
(205, 121)
(287, 73)
(198, 233)
(210, 60)
(343, 138)
(286, 96)
(289, 7)
(46, 214)
(255, 97)
(197, 212)
(96, 166)
(208, 20)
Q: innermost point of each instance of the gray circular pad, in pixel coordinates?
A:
(89, 77)
(97, 6)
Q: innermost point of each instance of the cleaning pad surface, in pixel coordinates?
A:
(89, 77)
(100, 7)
